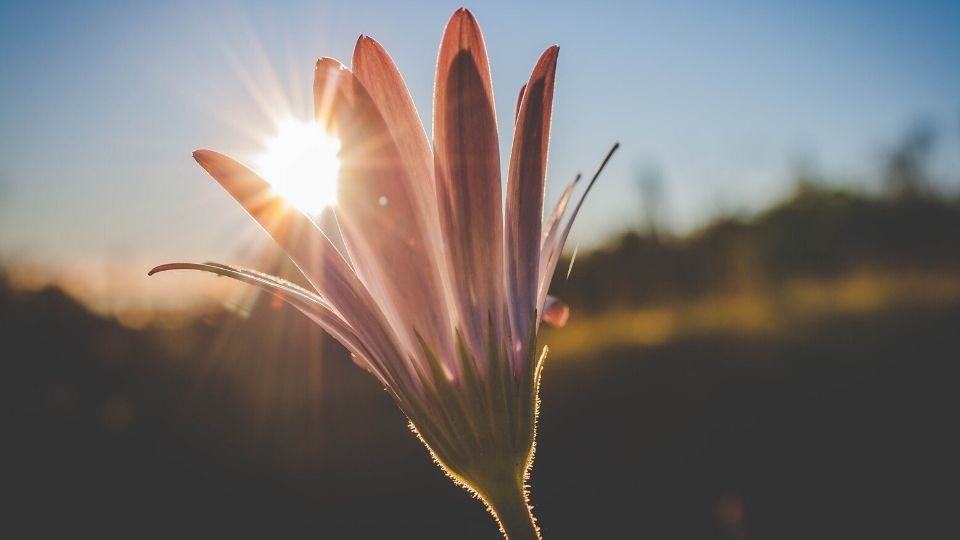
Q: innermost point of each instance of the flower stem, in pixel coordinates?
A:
(509, 504)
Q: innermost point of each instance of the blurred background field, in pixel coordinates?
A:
(764, 339)
(788, 374)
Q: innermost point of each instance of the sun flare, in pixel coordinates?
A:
(302, 166)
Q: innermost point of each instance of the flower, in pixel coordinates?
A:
(437, 292)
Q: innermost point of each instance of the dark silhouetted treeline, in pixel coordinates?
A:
(817, 232)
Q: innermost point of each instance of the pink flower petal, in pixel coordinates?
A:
(379, 208)
(528, 169)
(546, 271)
(468, 177)
(307, 246)
(311, 305)
(549, 247)
(516, 112)
(374, 68)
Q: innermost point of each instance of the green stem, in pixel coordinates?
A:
(509, 504)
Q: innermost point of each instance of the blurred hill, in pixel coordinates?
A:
(818, 232)
(901, 225)
(822, 252)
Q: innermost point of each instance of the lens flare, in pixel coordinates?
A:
(302, 166)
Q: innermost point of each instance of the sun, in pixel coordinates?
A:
(300, 162)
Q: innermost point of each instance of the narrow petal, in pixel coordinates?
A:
(383, 224)
(516, 112)
(555, 312)
(546, 272)
(374, 68)
(327, 221)
(551, 235)
(467, 168)
(307, 246)
(528, 169)
(308, 303)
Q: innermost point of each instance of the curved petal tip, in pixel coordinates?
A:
(326, 62)
(365, 41)
(460, 17)
(168, 266)
(208, 267)
(366, 45)
(202, 155)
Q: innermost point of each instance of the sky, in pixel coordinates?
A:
(103, 102)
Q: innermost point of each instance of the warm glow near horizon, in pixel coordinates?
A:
(301, 164)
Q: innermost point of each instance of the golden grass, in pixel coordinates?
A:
(754, 312)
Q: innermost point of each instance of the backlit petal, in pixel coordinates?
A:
(467, 169)
(307, 246)
(516, 111)
(383, 226)
(374, 68)
(528, 169)
(549, 246)
(311, 305)
(546, 271)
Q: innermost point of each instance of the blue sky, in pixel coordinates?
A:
(103, 102)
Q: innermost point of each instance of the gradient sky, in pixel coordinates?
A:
(103, 102)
